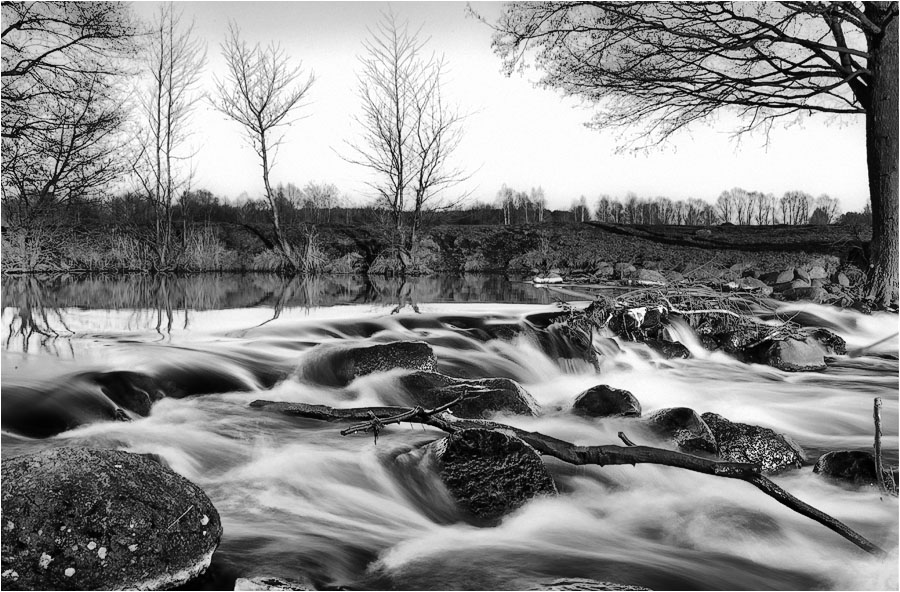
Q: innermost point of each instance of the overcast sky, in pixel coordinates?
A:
(516, 133)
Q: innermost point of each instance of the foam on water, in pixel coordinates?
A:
(297, 498)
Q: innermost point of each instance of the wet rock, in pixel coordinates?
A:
(606, 401)
(582, 584)
(44, 410)
(83, 519)
(669, 349)
(270, 583)
(802, 275)
(831, 343)
(684, 427)
(741, 442)
(841, 279)
(496, 395)
(852, 466)
(561, 341)
(638, 322)
(490, 473)
(790, 355)
(133, 391)
(338, 365)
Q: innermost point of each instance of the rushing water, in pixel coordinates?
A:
(296, 498)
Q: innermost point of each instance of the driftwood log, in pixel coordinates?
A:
(375, 419)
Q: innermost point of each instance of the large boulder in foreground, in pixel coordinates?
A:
(339, 365)
(606, 401)
(83, 519)
(741, 442)
(851, 466)
(496, 395)
(684, 427)
(490, 473)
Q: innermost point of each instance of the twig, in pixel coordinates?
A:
(879, 469)
(583, 455)
(191, 507)
(625, 439)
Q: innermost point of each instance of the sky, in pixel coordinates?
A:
(515, 133)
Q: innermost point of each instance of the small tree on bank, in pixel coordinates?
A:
(410, 133)
(261, 92)
(174, 59)
(663, 66)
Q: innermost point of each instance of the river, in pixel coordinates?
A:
(298, 499)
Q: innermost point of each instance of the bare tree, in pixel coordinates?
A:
(410, 132)
(174, 59)
(62, 108)
(262, 92)
(661, 66)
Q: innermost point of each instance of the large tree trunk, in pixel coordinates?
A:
(882, 156)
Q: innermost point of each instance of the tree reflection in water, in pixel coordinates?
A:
(36, 308)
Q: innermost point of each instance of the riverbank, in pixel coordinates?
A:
(568, 247)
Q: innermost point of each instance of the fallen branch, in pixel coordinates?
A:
(879, 467)
(566, 451)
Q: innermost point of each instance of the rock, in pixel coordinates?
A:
(750, 284)
(490, 473)
(842, 280)
(785, 276)
(648, 277)
(771, 278)
(851, 466)
(703, 233)
(582, 584)
(674, 276)
(83, 519)
(498, 395)
(741, 442)
(790, 355)
(624, 270)
(644, 320)
(801, 274)
(817, 272)
(560, 341)
(817, 283)
(683, 426)
(606, 401)
(133, 391)
(831, 343)
(813, 294)
(270, 583)
(669, 349)
(338, 365)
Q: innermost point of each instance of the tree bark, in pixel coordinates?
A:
(882, 157)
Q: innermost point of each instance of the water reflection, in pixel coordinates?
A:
(36, 309)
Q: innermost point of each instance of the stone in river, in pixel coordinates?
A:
(684, 427)
(606, 401)
(741, 442)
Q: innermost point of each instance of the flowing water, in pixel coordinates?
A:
(296, 498)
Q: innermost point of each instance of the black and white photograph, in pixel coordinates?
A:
(451, 295)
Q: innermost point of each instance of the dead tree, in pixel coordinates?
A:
(262, 92)
(375, 419)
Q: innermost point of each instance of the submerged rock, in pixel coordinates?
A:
(684, 427)
(490, 473)
(851, 466)
(582, 584)
(741, 442)
(669, 349)
(83, 519)
(606, 401)
(271, 583)
(338, 365)
(496, 395)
